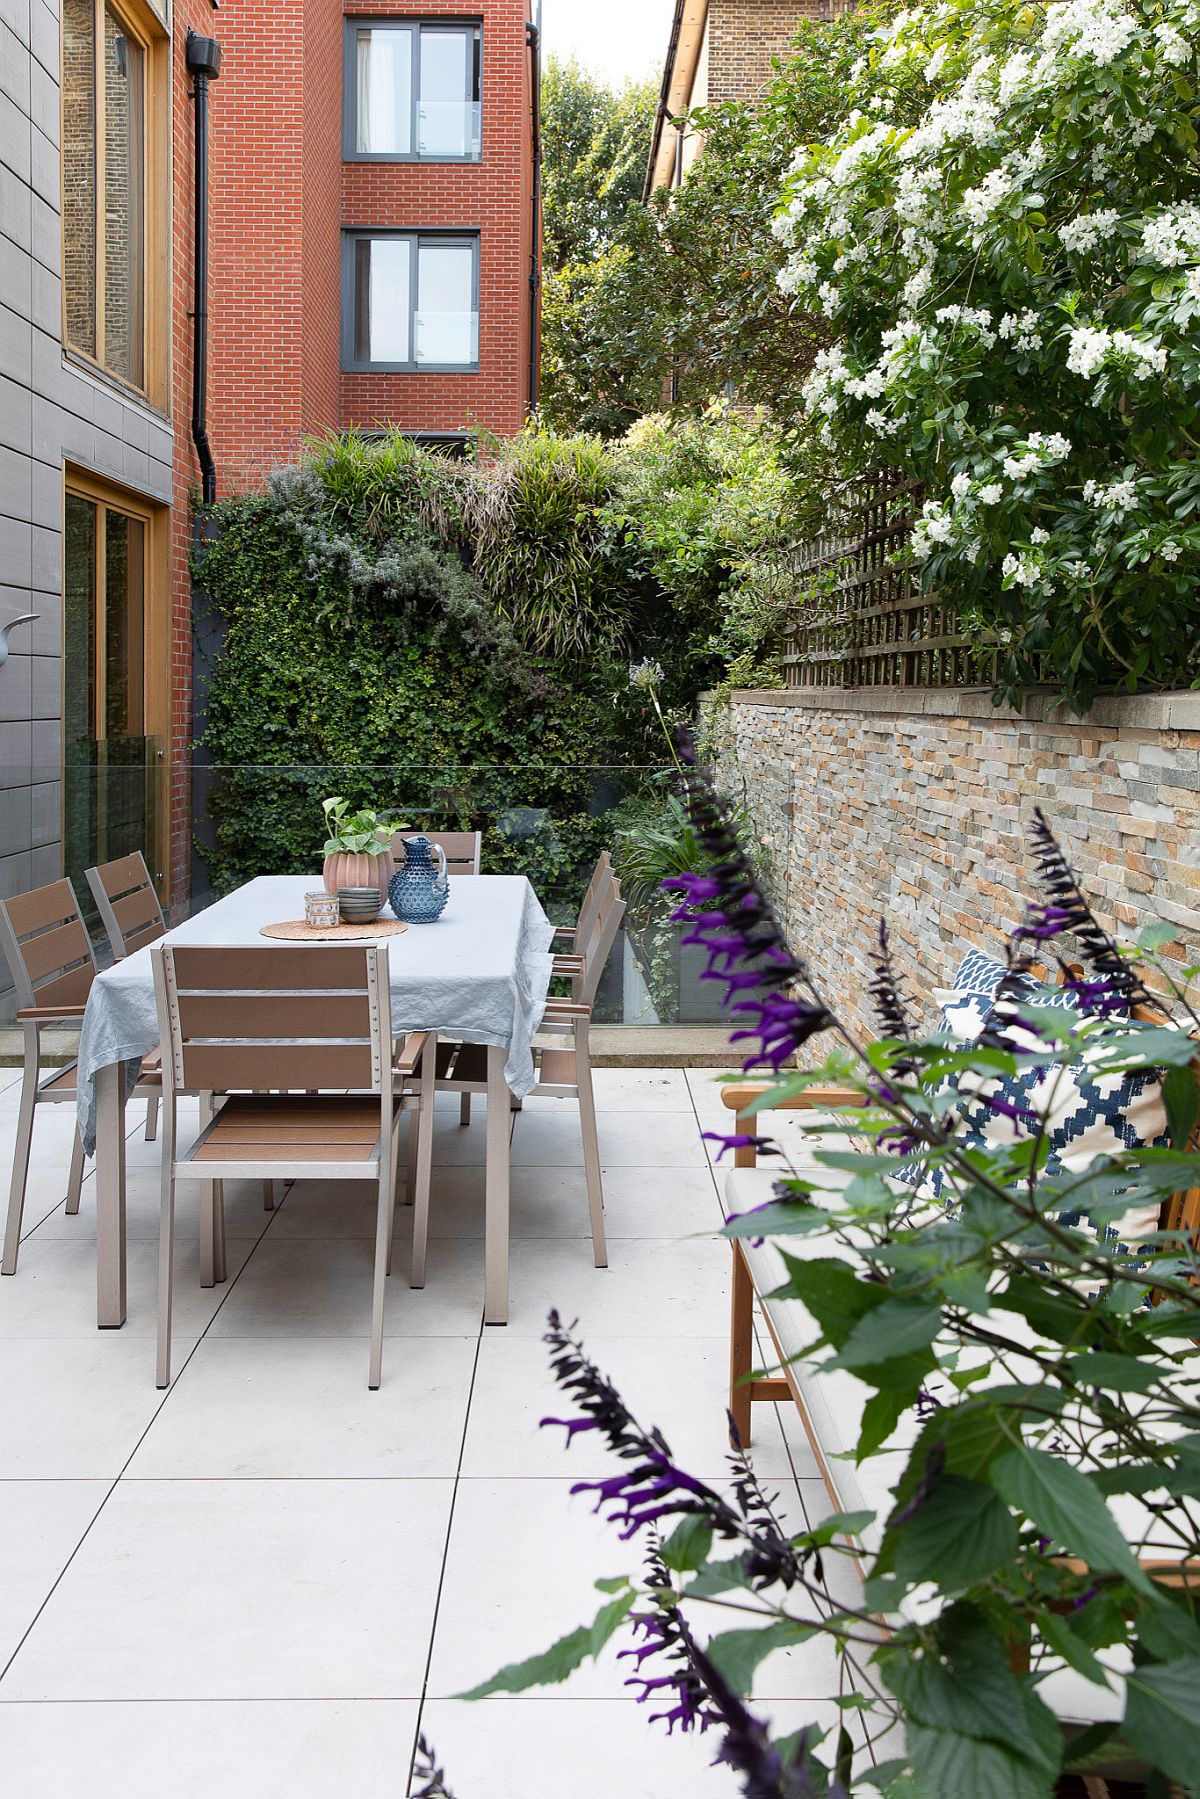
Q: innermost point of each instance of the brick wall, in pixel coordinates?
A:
(743, 37)
(917, 804)
(492, 197)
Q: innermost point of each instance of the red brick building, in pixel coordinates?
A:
(373, 231)
(719, 50)
(373, 240)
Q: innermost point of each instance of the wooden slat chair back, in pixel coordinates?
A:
(462, 849)
(127, 903)
(49, 951)
(247, 1021)
(601, 888)
(132, 918)
(53, 964)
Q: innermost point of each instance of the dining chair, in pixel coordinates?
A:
(561, 1073)
(53, 965)
(127, 903)
(567, 963)
(132, 917)
(462, 849)
(264, 1026)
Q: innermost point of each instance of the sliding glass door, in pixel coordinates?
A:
(111, 760)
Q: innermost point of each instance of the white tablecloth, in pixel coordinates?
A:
(480, 974)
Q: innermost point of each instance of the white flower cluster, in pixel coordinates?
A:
(1091, 228)
(1041, 451)
(1090, 347)
(1172, 45)
(935, 526)
(978, 318)
(1172, 236)
(1117, 496)
(1096, 30)
(1021, 571)
(1022, 328)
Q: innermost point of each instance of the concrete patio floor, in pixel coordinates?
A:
(269, 1578)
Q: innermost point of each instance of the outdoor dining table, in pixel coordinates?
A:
(480, 974)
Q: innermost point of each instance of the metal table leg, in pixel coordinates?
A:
(495, 1249)
(110, 1196)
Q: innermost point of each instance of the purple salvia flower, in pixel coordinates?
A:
(765, 1146)
(741, 937)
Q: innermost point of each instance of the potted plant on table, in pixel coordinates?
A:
(358, 850)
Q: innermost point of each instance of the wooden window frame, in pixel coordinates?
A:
(145, 28)
(156, 626)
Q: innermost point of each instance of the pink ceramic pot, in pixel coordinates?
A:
(347, 870)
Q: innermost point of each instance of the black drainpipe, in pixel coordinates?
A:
(204, 62)
(533, 38)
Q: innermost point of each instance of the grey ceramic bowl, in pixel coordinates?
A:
(359, 905)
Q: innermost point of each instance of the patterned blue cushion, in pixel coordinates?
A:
(1087, 1115)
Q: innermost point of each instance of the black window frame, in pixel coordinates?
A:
(415, 26)
(354, 365)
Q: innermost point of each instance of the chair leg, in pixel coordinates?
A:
(395, 1186)
(464, 1108)
(152, 1118)
(166, 1265)
(212, 1215)
(21, 1148)
(268, 1196)
(410, 1156)
(422, 1169)
(741, 1350)
(379, 1294)
(591, 1150)
(75, 1178)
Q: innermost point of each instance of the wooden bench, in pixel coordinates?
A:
(830, 1404)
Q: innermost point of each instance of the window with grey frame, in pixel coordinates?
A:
(410, 300)
(411, 91)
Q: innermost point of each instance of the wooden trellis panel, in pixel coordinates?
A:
(875, 627)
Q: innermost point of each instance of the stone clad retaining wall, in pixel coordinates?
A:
(916, 803)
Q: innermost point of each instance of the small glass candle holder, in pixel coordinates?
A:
(321, 910)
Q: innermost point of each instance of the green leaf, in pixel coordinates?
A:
(1080, 1748)
(717, 1578)
(687, 1548)
(888, 1332)
(1162, 1717)
(737, 1653)
(562, 1658)
(1181, 1096)
(1157, 935)
(881, 1414)
(950, 1766)
(1065, 1506)
(833, 1291)
(1057, 1633)
(1118, 1373)
(961, 1533)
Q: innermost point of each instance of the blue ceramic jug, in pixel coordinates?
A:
(420, 887)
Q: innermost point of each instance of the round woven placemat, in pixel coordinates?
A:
(295, 930)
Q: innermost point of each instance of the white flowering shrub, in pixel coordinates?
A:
(1013, 290)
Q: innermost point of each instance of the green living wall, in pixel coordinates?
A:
(493, 645)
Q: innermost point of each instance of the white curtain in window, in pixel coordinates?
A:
(384, 92)
(391, 276)
(447, 317)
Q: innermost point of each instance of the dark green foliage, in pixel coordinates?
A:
(380, 672)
